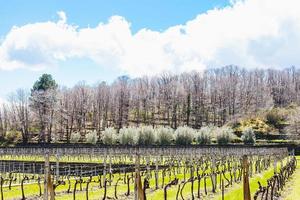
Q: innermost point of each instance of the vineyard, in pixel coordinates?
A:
(144, 172)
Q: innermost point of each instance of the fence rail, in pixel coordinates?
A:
(130, 150)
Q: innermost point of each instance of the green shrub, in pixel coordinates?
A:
(147, 135)
(13, 136)
(184, 135)
(204, 135)
(109, 136)
(165, 135)
(259, 126)
(91, 137)
(75, 137)
(276, 119)
(248, 136)
(128, 136)
(236, 140)
(224, 135)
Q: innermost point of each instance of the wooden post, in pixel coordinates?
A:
(222, 189)
(246, 178)
(192, 182)
(48, 185)
(46, 172)
(251, 166)
(138, 190)
(57, 167)
(104, 169)
(156, 173)
(213, 175)
(1, 187)
(110, 169)
(275, 165)
(148, 167)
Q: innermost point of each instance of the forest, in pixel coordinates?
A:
(217, 97)
(171, 136)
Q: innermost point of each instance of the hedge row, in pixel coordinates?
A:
(147, 135)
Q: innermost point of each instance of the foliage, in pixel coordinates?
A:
(204, 135)
(147, 135)
(91, 137)
(75, 137)
(258, 125)
(224, 135)
(248, 136)
(276, 118)
(184, 135)
(13, 136)
(109, 136)
(128, 136)
(236, 140)
(165, 135)
(44, 83)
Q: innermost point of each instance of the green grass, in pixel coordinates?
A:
(234, 192)
(31, 190)
(292, 187)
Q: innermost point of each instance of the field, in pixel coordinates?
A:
(144, 173)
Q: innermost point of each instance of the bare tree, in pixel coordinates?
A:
(121, 100)
(20, 109)
(196, 99)
(43, 102)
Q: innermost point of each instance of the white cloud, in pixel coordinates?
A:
(249, 33)
(62, 16)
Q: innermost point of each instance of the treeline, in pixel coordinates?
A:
(194, 99)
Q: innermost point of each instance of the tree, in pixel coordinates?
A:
(66, 114)
(2, 120)
(195, 99)
(293, 128)
(82, 96)
(121, 100)
(20, 109)
(43, 102)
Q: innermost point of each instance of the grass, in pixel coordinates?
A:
(235, 192)
(31, 189)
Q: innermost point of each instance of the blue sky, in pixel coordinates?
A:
(97, 40)
(153, 14)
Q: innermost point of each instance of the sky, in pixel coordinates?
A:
(95, 40)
